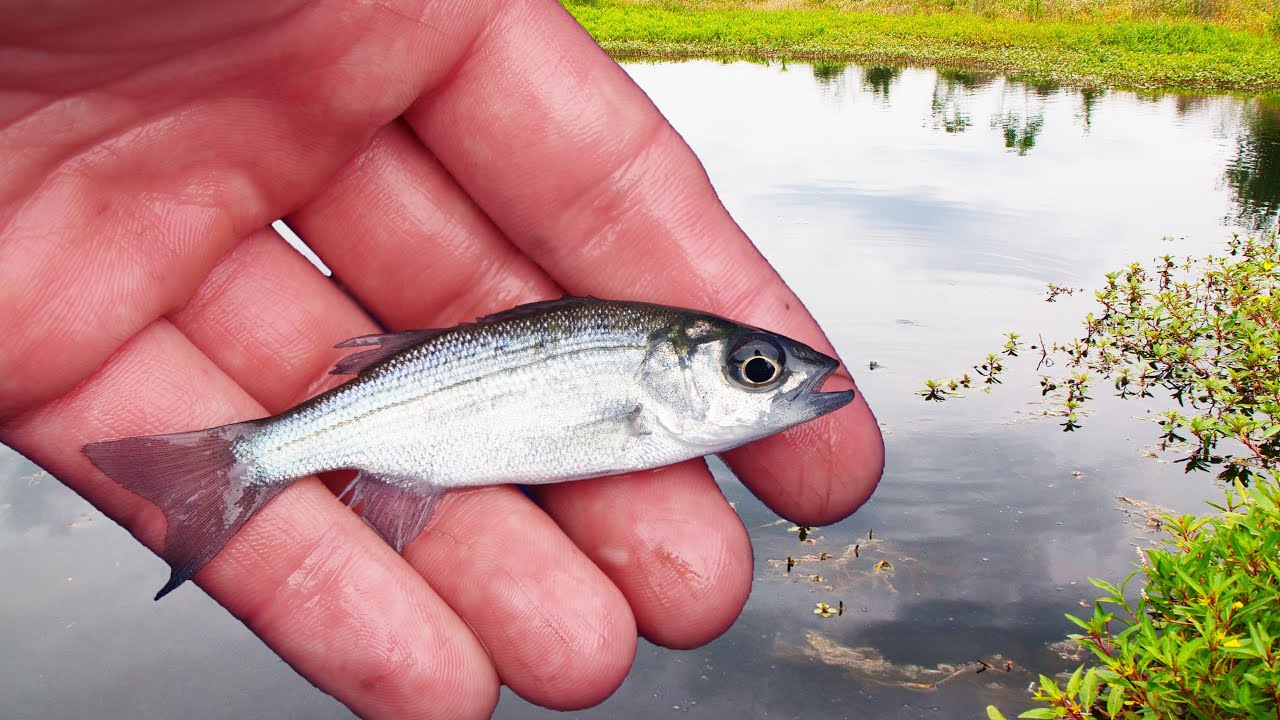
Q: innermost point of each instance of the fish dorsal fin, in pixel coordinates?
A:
(539, 307)
(384, 346)
(391, 343)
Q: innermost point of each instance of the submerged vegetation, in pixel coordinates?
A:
(1198, 640)
(1135, 43)
(1203, 331)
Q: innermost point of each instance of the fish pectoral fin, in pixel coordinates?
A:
(385, 346)
(638, 422)
(397, 508)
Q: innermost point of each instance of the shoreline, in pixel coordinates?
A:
(1127, 55)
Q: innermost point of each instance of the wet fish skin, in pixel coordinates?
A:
(548, 392)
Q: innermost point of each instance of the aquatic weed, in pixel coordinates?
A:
(1204, 331)
(1199, 642)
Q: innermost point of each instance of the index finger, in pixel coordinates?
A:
(590, 181)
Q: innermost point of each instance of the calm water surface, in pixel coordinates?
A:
(919, 215)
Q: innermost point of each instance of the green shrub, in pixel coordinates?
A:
(1200, 641)
(1204, 331)
(1208, 332)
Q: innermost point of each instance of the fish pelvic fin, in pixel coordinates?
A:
(397, 508)
(199, 484)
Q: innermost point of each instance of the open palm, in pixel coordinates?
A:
(446, 159)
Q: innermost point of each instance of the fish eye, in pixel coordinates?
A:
(756, 361)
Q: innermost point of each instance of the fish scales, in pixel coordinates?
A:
(443, 408)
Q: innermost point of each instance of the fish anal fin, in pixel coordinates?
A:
(397, 508)
(380, 347)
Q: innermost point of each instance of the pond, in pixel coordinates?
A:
(919, 214)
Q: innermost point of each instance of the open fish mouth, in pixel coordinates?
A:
(817, 402)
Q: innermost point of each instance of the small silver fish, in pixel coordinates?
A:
(547, 392)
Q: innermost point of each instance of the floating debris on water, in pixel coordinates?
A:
(1054, 290)
(1142, 515)
(804, 531)
(869, 665)
(82, 520)
(843, 569)
(824, 610)
(1067, 650)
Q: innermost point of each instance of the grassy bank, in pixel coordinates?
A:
(1090, 52)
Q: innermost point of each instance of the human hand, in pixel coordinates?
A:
(446, 160)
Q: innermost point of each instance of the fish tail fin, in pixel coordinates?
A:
(197, 481)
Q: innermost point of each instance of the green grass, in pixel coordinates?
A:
(1090, 53)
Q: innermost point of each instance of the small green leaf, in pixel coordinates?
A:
(1073, 683)
(1089, 689)
(1115, 701)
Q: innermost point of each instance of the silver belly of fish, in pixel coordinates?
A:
(562, 412)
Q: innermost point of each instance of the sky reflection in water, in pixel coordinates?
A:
(919, 215)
